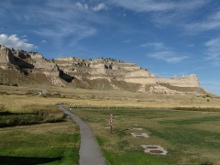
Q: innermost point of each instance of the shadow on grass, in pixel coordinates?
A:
(13, 160)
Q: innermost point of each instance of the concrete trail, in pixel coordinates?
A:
(89, 149)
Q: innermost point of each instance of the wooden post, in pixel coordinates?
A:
(110, 123)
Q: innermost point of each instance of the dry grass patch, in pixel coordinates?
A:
(101, 98)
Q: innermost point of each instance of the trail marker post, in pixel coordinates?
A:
(110, 123)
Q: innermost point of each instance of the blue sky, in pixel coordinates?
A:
(168, 37)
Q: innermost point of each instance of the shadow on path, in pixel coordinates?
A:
(13, 160)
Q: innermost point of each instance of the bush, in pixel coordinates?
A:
(8, 84)
(43, 114)
(3, 109)
(208, 109)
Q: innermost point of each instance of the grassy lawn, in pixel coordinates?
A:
(37, 134)
(49, 144)
(190, 137)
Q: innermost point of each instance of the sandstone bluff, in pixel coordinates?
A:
(20, 67)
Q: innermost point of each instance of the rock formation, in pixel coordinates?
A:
(6, 57)
(114, 74)
(106, 74)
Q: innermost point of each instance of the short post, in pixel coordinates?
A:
(110, 123)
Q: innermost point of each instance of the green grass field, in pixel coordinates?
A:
(49, 144)
(191, 137)
(37, 134)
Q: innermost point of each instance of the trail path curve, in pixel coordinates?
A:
(89, 149)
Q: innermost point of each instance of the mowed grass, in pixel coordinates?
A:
(56, 147)
(34, 131)
(51, 144)
(190, 137)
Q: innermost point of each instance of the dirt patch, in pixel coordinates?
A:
(154, 149)
(144, 135)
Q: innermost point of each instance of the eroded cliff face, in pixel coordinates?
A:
(113, 74)
(106, 74)
(29, 64)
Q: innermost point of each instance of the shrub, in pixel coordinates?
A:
(42, 114)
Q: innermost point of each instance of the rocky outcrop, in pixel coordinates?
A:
(31, 63)
(105, 74)
(6, 57)
(185, 81)
(117, 75)
(10, 59)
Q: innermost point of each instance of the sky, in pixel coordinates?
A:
(167, 37)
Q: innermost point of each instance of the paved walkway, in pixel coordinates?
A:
(89, 149)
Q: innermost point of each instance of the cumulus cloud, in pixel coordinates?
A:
(13, 41)
(82, 6)
(101, 6)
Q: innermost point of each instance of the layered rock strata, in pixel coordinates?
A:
(106, 74)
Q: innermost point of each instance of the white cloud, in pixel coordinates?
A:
(168, 56)
(66, 23)
(76, 31)
(63, 23)
(87, 7)
(158, 5)
(213, 43)
(82, 6)
(163, 12)
(164, 53)
(101, 6)
(211, 23)
(13, 41)
(213, 51)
